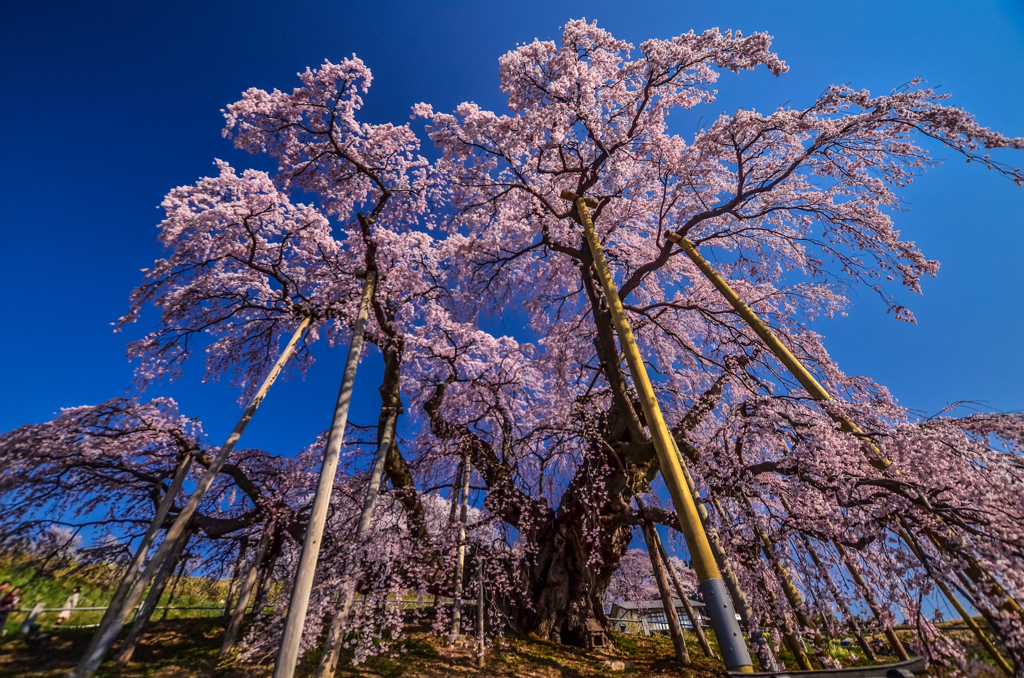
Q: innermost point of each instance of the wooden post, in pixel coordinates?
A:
(144, 614)
(120, 600)
(789, 635)
(681, 592)
(793, 597)
(335, 635)
(182, 564)
(456, 490)
(235, 625)
(848, 616)
(869, 598)
(105, 637)
(675, 629)
(242, 543)
(480, 611)
(964, 614)
(265, 578)
(461, 557)
(719, 606)
(288, 654)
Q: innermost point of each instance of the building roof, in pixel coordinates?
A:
(651, 604)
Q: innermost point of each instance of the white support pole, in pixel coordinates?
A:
(332, 646)
(105, 637)
(238, 616)
(461, 558)
(117, 603)
(480, 611)
(288, 654)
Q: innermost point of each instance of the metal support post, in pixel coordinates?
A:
(818, 392)
(719, 605)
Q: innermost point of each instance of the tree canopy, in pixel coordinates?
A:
(799, 206)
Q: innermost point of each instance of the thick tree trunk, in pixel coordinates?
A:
(142, 617)
(563, 580)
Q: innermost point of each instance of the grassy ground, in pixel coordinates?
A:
(179, 648)
(188, 642)
(98, 583)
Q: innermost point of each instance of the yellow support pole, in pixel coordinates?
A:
(792, 593)
(719, 605)
(792, 639)
(818, 392)
(964, 614)
(795, 367)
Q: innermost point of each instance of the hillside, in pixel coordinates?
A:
(53, 585)
(187, 643)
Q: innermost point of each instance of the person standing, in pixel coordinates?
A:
(26, 626)
(69, 605)
(7, 605)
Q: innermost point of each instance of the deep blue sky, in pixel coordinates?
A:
(106, 106)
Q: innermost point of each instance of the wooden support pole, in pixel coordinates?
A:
(684, 598)
(156, 590)
(789, 635)
(120, 601)
(105, 637)
(176, 585)
(336, 632)
(719, 606)
(239, 560)
(460, 559)
(675, 629)
(453, 512)
(288, 653)
(480, 612)
(265, 579)
(869, 598)
(848, 617)
(235, 625)
(964, 614)
(793, 597)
